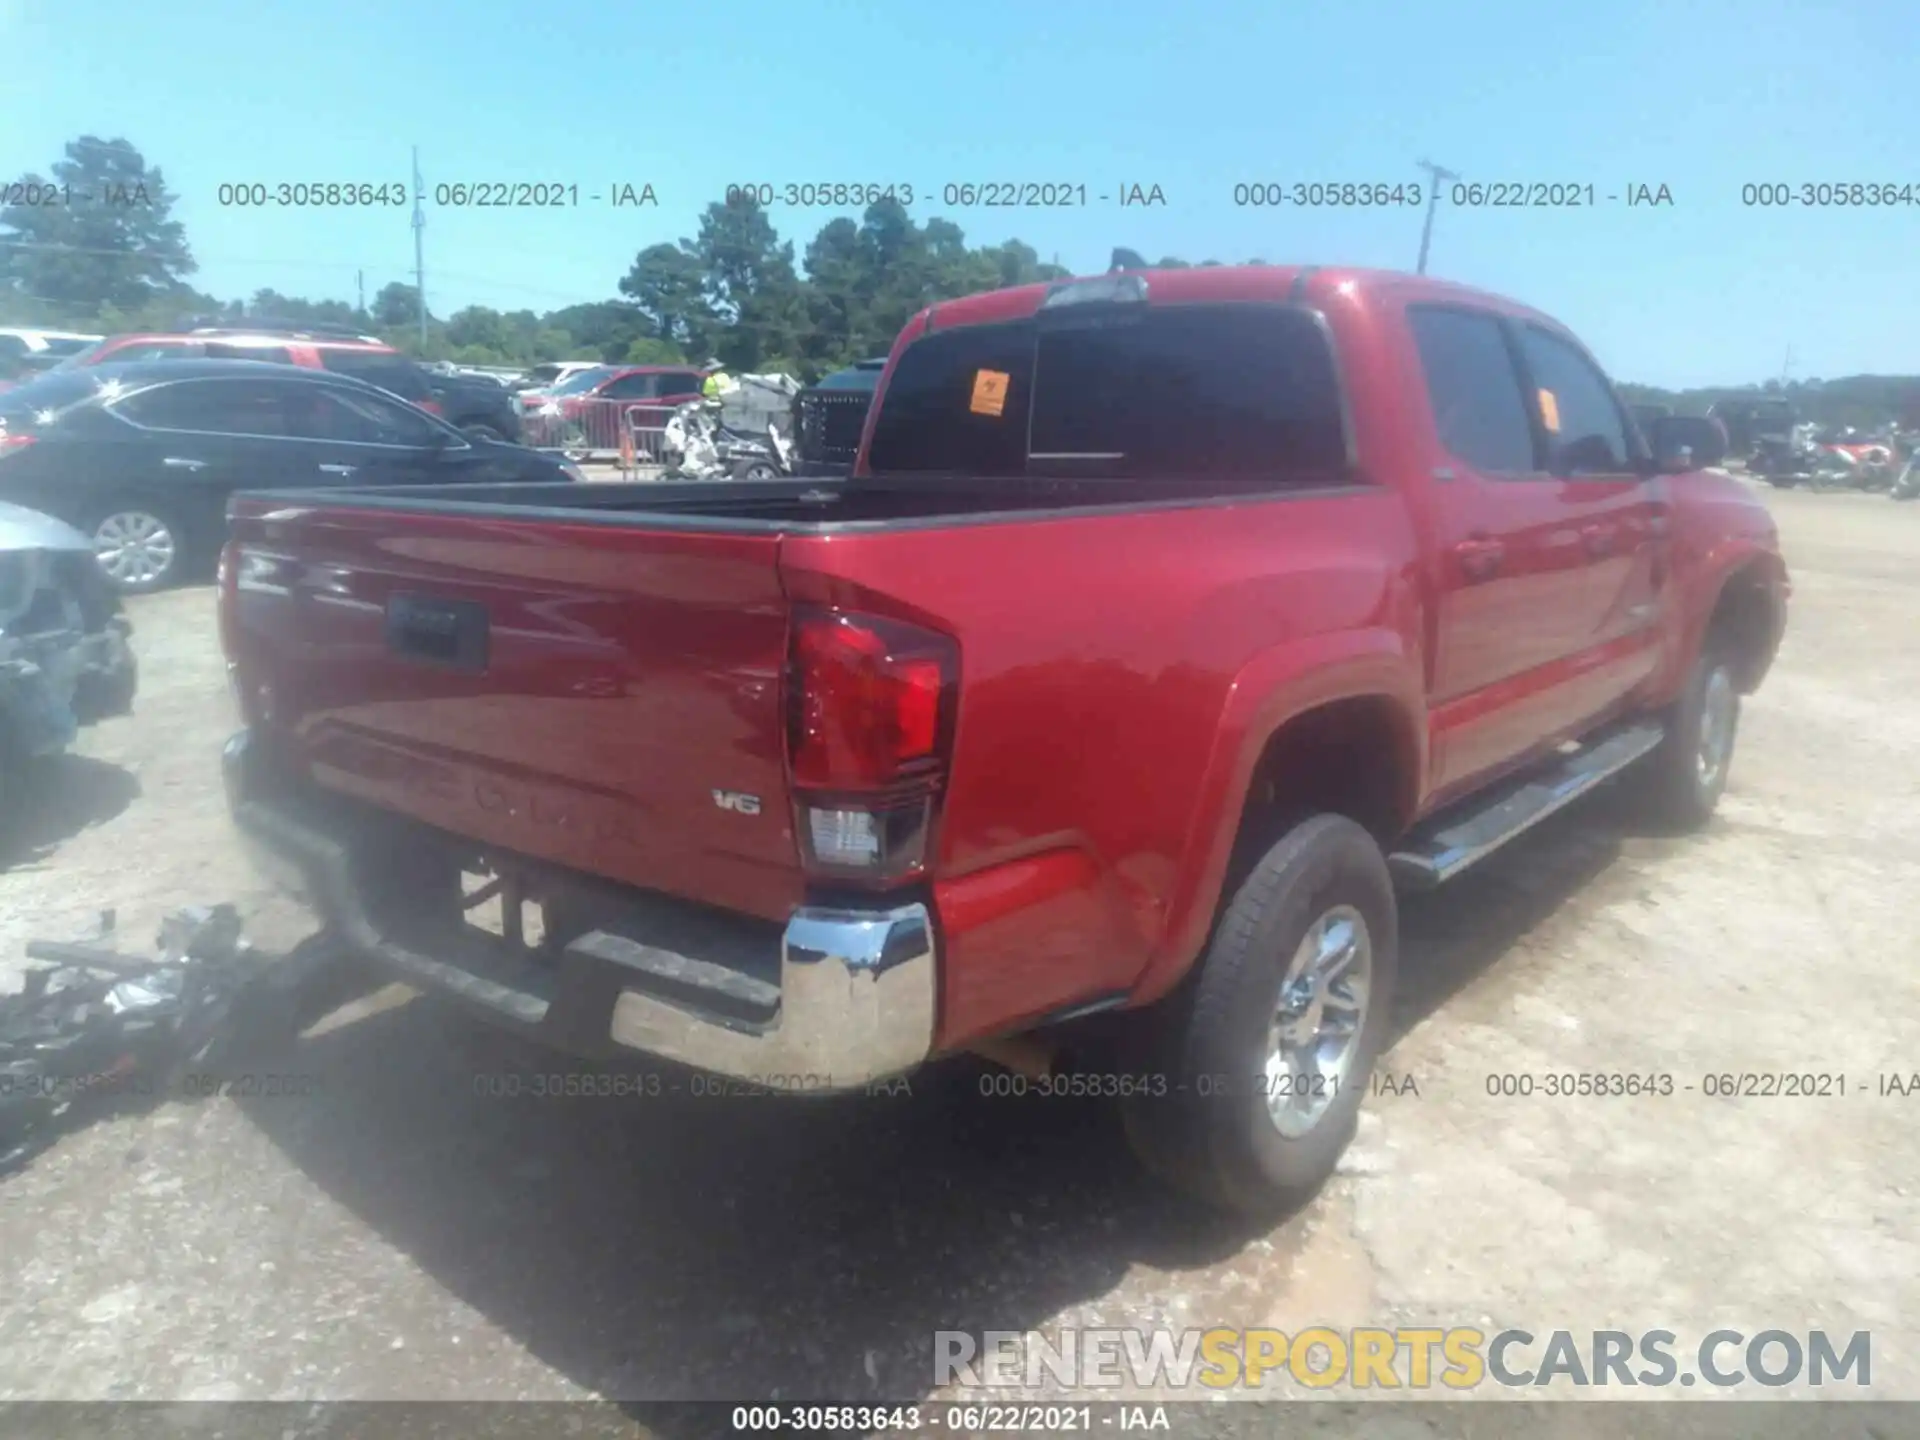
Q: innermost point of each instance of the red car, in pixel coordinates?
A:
(1066, 729)
(591, 410)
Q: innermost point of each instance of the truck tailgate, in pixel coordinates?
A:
(603, 697)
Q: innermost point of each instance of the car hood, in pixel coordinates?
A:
(24, 529)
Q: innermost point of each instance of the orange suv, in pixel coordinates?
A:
(316, 347)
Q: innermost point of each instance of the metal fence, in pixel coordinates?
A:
(598, 431)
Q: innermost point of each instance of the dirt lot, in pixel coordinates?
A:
(394, 1234)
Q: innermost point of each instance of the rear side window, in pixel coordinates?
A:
(930, 421)
(266, 354)
(324, 412)
(1184, 391)
(393, 373)
(581, 381)
(47, 394)
(863, 378)
(674, 387)
(1479, 407)
(630, 387)
(217, 406)
(145, 350)
(1585, 432)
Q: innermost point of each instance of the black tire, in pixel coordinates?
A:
(136, 576)
(483, 432)
(1212, 1132)
(1682, 779)
(755, 470)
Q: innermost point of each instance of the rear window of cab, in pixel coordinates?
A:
(1135, 392)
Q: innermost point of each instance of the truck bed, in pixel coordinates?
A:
(791, 506)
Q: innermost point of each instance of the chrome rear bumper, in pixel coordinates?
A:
(849, 1000)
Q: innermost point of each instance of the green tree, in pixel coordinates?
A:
(105, 237)
(668, 286)
(397, 304)
(749, 282)
(603, 330)
(649, 350)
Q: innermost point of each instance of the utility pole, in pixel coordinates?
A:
(1435, 175)
(360, 283)
(419, 261)
(1786, 365)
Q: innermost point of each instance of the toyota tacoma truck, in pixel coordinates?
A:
(1059, 715)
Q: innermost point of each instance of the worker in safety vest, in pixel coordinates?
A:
(718, 385)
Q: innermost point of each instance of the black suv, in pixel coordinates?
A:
(828, 419)
(142, 457)
(479, 409)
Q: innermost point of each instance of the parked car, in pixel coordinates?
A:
(546, 378)
(588, 411)
(25, 353)
(142, 457)
(66, 658)
(1065, 723)
(828, 418)
(56, 344)
(467, 405)
(1755, 425)
(476, 406)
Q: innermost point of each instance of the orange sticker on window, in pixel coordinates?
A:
(989, 392)
(1550, 410)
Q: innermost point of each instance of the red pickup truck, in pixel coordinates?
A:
(1058, 717)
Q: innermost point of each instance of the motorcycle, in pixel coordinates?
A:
(696, 446)
(1907, 487)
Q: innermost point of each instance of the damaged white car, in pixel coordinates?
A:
(65, 654)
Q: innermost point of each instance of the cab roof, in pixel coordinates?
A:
(1224, 284)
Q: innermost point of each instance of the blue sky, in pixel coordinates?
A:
(1195, 99)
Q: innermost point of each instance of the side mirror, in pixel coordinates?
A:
(1686, 442)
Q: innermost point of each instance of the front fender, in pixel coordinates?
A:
(1277, 687)
(1702, 583)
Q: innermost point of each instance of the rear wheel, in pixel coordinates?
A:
(756, 470)
(1267, 1049)
(140, 543)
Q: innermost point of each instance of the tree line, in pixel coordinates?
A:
(735, 290)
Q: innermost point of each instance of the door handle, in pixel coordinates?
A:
(175, 462)
(1600, 539)
(338, 469)
(1480, 557)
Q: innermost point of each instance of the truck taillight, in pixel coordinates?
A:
(870, 725)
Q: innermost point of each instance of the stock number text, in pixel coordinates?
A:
(1327, 194)
(1821, 195)
(312, 195)
(816, 193)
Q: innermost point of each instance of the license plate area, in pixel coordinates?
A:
(497, 904)
(451, 634)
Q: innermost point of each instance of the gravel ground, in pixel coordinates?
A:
(393, 1234)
